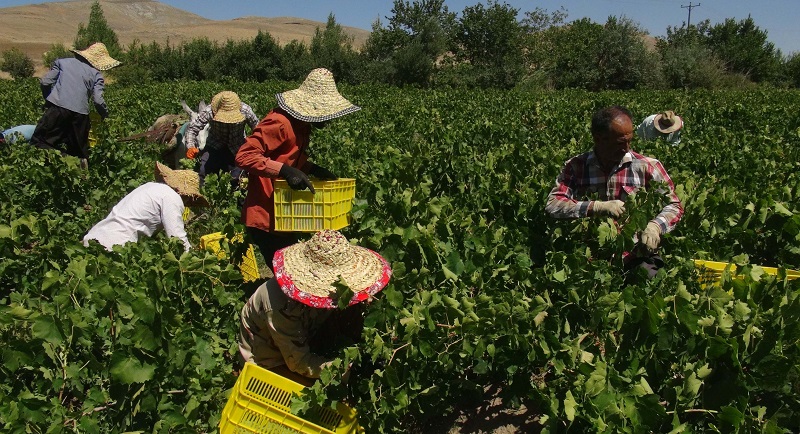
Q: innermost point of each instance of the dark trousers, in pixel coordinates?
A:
(270, 242)
(62, 130)
(217, 160)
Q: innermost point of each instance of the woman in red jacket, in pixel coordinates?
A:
(277, 148)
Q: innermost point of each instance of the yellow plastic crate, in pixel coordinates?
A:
(302, 211)
(260, 403)
(248, 267)
(711, 271)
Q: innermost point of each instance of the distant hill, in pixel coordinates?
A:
(33, 28)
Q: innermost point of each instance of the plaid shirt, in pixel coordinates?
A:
(220, 134)
(582, 176)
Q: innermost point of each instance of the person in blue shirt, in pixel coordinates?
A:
(20, 132)
(66, 88)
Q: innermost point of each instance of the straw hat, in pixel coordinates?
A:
(316, 100)
(97, 55)
(307, 271)
(667, 122)
(227, 107)
(185, 182)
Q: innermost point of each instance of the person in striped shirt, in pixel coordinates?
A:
(611, 171)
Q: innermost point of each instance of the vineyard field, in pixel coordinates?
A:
(489, 294)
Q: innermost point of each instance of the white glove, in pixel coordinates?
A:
(613, 208)
(651, 236)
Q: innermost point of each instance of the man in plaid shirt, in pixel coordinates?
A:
(612, 171)
(227, 115)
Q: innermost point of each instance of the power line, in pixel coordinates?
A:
(690, 7)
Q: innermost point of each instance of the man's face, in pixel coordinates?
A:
(611, 146)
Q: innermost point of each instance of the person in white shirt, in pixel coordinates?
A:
(150, 207)
(666, 124)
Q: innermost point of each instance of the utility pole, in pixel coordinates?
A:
(690, 7)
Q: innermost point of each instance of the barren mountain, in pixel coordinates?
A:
(34, 28)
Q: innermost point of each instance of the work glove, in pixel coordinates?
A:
(613, 208)
(323, 173)
(191, 153)
(295, 178)
(651, 236)
(84, 164)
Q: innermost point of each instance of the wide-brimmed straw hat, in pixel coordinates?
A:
(227, 107)
(97, 55)
(307, 271)
(316, 100)
(185, 182)
(667, 122)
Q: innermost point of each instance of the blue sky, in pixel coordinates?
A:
(778, 17)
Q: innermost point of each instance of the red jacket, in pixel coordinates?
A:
(277, 140)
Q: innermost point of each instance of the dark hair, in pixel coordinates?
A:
(601, 121)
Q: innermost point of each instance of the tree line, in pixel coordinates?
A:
(490, 45)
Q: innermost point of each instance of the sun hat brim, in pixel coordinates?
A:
(297, 292)
(675, 127)
(100, 61)
(309, 108)
(185, 187)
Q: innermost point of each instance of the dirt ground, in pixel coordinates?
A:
(490, 416)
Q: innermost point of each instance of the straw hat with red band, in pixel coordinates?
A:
(667, 122)
(307, 271)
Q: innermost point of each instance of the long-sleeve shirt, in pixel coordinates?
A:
(143, 211)
(275, 330)
(277, 140)
(70, 83)
(582, 176)
(220, 134)
(647, 131)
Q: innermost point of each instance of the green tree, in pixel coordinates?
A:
(623, 59)
(595, 57)
(253, 60)
(295, 61)
(792, 69)
(744, 48)
(540, 26)
(17, 63)
(333, 49)
(56, 51)
(573, 64)
(690, 66)
(412, 43)
(489, 39)
(686, 60)
(97, 30)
